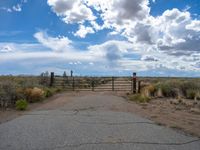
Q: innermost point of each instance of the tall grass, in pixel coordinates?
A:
(174, 88)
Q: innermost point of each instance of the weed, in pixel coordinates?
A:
(141, 98)
(21, 104)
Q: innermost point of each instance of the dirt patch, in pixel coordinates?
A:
(164, 112)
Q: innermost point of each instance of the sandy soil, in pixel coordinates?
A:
(167, 112)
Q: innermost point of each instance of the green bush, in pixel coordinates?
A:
(168, 89)
(139, 98)
(7, 93)
(189, 87)
(190, 94)
(21, 104)
(49, 92)
(57, 90)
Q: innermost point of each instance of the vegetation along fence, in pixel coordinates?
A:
(33, 88)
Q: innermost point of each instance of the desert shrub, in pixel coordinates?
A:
(149, 90)
(198, 95)
(141, 98)
(34, 95)
(7, 93)
(57, 90)
(188, 88)
(49, 92)
(21, 104)
(193, 94)
(20, 93)
(168, 90)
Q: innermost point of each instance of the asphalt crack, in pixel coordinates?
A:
(111, 123)
(64, 114)
(129, 142)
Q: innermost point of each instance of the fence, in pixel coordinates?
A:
(96, 83)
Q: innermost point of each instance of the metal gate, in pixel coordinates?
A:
(78, 83)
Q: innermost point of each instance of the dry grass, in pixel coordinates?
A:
(174, 88)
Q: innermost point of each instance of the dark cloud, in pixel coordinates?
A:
(149, 58)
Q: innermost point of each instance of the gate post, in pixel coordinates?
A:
(51, 79)
(134, 83)
(71, 73)
(113, 84)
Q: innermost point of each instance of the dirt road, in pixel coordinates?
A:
(89, 121)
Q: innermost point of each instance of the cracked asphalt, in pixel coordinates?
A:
(87, 122)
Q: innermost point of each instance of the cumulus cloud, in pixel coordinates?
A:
(83, 31)
(57, 44)
(114, 13)
(121, 10)
(71, 11)
(170, 40)
(164, 41)
(111, 50)
(194, 25)
(173, 32)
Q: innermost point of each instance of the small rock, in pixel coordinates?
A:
(178, 108)
(195, 110)
(189, 103)
(144, 104)
(175, 102)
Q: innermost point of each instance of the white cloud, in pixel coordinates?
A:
(149, 58)
(168, 41)
(110, 56)
(57, 44)
(72, 11)
(6, 9)
(6, 49)
(111, 51)
(115, 14)
(17, 7)
(14, 8)
(83, 31)
(194, 25)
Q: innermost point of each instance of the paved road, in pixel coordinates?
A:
(88, 122)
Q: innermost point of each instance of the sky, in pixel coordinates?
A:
(100, 37)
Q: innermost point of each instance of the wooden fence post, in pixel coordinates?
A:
(71, 73)
(134, 83)
(51, 79)
(139, 86)
(113, 84)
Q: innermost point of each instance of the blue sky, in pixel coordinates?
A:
(95, 37)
